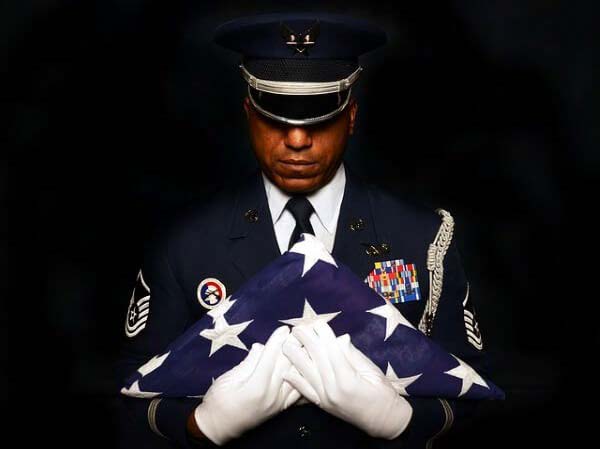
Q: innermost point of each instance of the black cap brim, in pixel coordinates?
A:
(299, 109)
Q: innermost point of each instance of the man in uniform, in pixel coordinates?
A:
(300, 69)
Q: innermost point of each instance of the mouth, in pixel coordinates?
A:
(296, 162)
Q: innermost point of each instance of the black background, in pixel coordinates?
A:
(120, 112)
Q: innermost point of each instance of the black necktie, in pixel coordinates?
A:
(301, 209)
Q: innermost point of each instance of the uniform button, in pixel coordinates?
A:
(304, 432)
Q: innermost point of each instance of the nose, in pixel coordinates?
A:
(297, 138)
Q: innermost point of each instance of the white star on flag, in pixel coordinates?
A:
(225, 334)
(152, 364)
(135, 391)
(310, 317)
(221, 309)
(313, 251)
(399, 383)
(392, 316)
(468, 376)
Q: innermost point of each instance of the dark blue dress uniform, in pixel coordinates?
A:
(300, 70)
(231, 239)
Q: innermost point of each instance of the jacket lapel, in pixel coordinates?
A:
(253, 242)
(356, 228)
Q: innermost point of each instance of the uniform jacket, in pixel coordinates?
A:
(231, 238)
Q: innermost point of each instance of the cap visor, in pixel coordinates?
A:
(299, 109)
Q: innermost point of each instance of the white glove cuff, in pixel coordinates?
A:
(399, 418)
(212, 430)
(392, 423)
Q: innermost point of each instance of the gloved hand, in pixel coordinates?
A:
(249, 393)
(344, 382)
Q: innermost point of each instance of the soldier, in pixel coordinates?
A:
(300, 69)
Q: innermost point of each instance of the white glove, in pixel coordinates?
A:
(249, 393)
(344, 382)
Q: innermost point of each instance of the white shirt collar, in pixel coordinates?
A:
(326, 201)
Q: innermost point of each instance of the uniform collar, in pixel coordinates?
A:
(253, 243)
(326, 201)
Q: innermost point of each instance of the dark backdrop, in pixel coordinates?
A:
(120, 112)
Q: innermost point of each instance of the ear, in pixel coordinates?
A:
(352, 111)
(247, 107)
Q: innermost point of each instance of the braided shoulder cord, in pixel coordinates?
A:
(435, 265)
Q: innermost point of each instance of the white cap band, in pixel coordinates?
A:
(300, 88)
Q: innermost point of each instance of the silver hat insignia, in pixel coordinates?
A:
(300, 42)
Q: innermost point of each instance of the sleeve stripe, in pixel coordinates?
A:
(144, 306)
(132, 332)
(137, 325)
(449, 420)
(152, 409)
(473, 336)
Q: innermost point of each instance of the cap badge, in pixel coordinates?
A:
(300, 42)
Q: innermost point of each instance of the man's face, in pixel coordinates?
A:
(299, 159)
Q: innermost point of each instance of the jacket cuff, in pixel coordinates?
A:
(168, 418)
(431, 418)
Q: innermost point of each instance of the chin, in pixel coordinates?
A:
(298, 185)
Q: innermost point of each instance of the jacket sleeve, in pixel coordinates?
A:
(157, 313)
(455, 328)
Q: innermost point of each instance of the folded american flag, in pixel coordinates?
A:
(306, 285)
